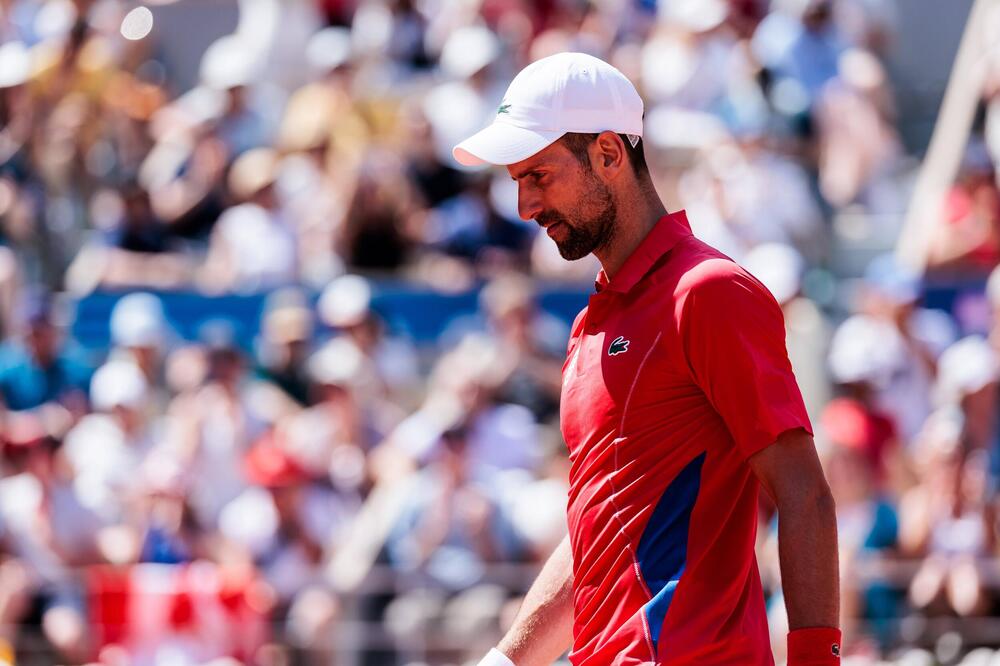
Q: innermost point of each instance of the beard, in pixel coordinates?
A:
(589, 226)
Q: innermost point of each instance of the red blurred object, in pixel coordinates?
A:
(337, 12)
(23, 430)
(851, 425)
(268, 465)
(966, 208)
(144, 607)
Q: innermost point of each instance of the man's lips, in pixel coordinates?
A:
(552, 228)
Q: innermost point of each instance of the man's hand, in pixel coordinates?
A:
(543, 628)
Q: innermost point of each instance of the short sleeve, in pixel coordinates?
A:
(733, 334)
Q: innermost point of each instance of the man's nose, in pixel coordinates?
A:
(528, 204)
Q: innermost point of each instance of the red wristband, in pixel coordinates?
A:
(815, 646)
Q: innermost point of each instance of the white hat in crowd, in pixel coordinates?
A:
(865, 349)
(137, 320)
(966, 367)
(566, 92)
(345, 301)
(337, 363)
(468, 50)
(230, 62)
(779, 267)
(15, 64)
(698, 16)
(118, 383)
(329, 48)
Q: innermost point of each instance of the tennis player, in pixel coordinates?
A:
(678, 403)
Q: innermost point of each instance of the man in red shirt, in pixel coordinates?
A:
(678, 402)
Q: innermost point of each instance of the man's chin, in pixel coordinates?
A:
(571, 252)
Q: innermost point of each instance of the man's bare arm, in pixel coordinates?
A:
(790, 471)
(543, 628)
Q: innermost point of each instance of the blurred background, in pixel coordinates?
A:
(280, 381)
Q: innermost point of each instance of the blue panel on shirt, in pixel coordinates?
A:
(662, 551)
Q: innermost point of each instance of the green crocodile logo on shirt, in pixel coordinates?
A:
(504, 108)
(618, 346)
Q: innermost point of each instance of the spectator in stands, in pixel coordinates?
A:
(228, 68)
(48, 528)
(322, 136)
(185, 171)
(451, 529)
(858, 143)
(967, 381)
(142, 335)
(381, 230)
(137, 250)
(287, 523)
(807, 54)
(466, 60)
(535, 504)
(946, 523)
(687, 47)
(864, 356)
(218, 419)
(869, 24)
(332, 437)
(168, 531)
(390, 370)
(285, 342)
(967, 239)
(253, 245)
(890, 296)
(105, 450)
(532, 342)
(730, 191)
(139, 230)
(42, 368)
(400, 37)
(16, 104)
(463, 389)
(860, 444)
(948, 519)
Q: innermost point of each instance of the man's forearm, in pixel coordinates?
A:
(543, 628)
(807, 545)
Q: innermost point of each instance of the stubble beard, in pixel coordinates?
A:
(588, 228)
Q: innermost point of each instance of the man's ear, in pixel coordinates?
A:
(608, 154)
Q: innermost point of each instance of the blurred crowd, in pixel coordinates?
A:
(337, 493)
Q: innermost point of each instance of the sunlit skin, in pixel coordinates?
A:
(606, 210)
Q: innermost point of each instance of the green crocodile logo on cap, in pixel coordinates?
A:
(504, 108)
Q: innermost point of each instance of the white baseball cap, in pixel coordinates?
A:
(966, 367)
(565, 92)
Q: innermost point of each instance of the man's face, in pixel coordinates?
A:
(566, 198)
(41, 341)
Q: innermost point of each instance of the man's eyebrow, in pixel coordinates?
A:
(526, 172)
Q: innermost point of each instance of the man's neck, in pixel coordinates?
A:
(636, 218)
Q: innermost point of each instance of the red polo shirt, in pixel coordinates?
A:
(676, 373)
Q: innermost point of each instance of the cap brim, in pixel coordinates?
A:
(502, 144)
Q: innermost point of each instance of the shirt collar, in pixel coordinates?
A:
(667, 231)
